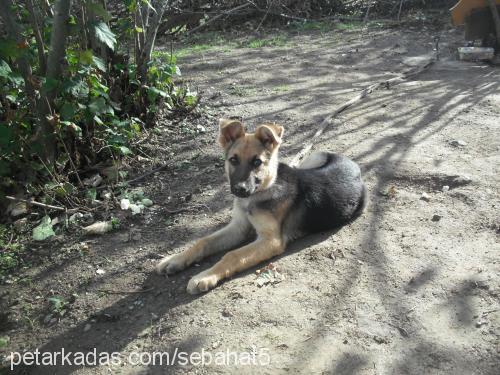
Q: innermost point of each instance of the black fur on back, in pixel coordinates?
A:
(323, 198)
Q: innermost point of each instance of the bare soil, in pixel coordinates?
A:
(411, 287)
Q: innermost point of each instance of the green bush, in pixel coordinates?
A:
(53, 126)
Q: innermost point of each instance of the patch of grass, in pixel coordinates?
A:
(357, 25)
(281, 88)
(276, 41)
(349, 26)
(322, 26)
(211, 41)
(242, 90)
(10, 251)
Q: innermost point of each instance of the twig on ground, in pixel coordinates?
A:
(34, 203)
(363, 94)
(109, 291)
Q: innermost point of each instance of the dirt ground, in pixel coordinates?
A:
(411, 287)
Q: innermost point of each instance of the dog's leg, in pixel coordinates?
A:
(268, 244)
(229, 237)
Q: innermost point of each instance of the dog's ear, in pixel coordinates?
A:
(270, 135)
(230, 131)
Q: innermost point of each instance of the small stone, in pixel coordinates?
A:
(17, 209)
(87, 327)
(445, 188)
(481, 323)
(125, 204)
(458, 143)
(20, 224)
(73, 218)
(436, 218)
(215, 344)
(425, 197)
(47, 319)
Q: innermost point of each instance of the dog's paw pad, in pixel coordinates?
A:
(170, 265)
(202, 282)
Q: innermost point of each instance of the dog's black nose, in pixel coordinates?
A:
(240, 190)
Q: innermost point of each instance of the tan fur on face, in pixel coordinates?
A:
(264, 144)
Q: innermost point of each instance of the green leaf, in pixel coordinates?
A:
(104, 34)
(11, 98)
(9, 49)
(98, 106)
(77, 88)
(147, 202)
(16, 79)
(49, 85)
(67, 111)
(44, 230)
(99, 10)
(153, 93)
(91, 194)
(99, 63)
(4, 341)
(5, 70)
(125, 150)
(6, 135)
(98, 120)
(86, 57)
(131, 5)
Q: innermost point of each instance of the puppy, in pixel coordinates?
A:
(273, 205)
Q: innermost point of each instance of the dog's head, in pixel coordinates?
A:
(251, 158)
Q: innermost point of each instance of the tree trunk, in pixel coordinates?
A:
(55, 60)
(35, 18)
(15, 32)
(58, 38)
(150, 37)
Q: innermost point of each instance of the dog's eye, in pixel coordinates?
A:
(234, 160)
(256, 162)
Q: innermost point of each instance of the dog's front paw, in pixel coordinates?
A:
(202, 282)
(171, 264)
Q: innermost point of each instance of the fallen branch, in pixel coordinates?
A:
(242, 6)
(34, 203)
(125, 291)
(363, 94)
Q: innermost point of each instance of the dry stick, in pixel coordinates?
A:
(400, 8)
(364, 93)
(242, 6)
(71, 161)
(365, 20)
(34, 203)
(264, 18)
(109, 291)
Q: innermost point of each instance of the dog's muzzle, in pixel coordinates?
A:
(241, 190)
